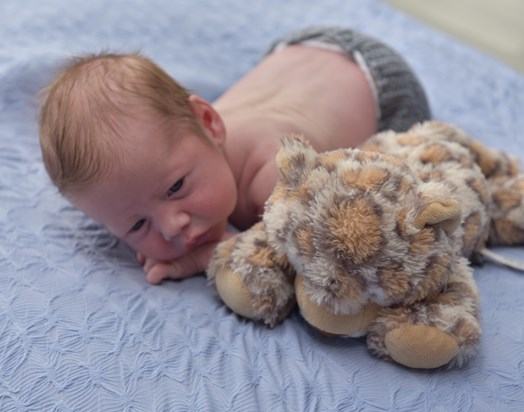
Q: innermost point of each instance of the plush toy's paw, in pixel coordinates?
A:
(443, 329)
(235, 294)
(421, 346)
(507, 211)
(320, 318)
(251, 279)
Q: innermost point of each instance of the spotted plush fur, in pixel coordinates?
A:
(268, 277)
(359, 227)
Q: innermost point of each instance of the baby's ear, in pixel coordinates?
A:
(295, 158)
(437, 208)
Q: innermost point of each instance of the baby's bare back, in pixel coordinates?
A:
(321, 94)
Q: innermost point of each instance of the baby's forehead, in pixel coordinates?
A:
(137, 131)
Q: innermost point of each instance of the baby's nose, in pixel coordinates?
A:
(171, 224)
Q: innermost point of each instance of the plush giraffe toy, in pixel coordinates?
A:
(375, 241)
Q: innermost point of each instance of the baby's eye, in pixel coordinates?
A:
(176, 187)
(136, 227)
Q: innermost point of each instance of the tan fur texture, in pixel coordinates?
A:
(389, 224)
(263, 275)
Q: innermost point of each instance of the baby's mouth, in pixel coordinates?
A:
(198, 239)
(211, 234)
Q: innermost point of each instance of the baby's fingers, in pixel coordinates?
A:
(164, 270)
(150, 264)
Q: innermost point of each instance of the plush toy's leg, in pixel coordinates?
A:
(351, 325)
(251, 279)
(493, 163)
(435, 332)
(507, 210)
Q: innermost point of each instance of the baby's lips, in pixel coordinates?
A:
(196, 240)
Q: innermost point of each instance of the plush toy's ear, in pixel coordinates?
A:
(435, 206)
(441, 213)
(295, 158)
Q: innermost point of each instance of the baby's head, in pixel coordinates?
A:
(85, 107)
(130, 147)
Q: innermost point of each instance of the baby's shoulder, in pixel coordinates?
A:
(253, 164)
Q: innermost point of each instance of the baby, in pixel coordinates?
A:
(165, 171)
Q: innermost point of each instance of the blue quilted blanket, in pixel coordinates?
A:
(81, 330)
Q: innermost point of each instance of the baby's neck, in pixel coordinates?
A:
(251, 145)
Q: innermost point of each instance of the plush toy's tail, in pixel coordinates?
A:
(503, 260)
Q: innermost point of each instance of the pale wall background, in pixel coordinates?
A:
(496, 27)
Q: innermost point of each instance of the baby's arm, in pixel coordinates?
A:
(194, 262)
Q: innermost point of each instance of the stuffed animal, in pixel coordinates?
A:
(375, 241)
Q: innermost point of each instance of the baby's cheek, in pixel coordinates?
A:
(218, 200)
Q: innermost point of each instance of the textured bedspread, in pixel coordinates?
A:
(80, 329)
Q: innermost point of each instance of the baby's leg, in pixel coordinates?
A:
(251, 279)
(441, 330)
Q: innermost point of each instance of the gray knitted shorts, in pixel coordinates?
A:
(400, 98)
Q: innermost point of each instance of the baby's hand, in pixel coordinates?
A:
(196, 261)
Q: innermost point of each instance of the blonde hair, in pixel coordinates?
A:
(79, 109)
